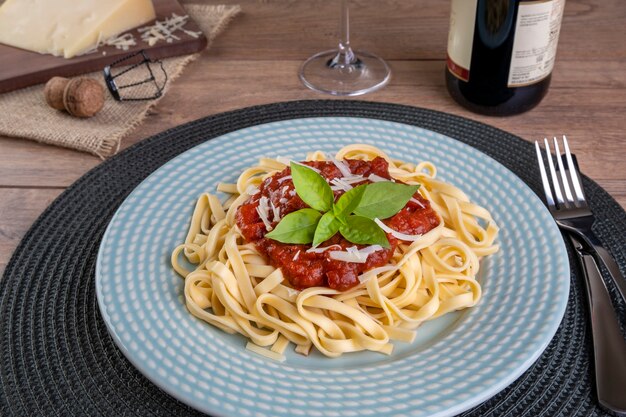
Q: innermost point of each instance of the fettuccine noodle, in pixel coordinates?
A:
(234, 288)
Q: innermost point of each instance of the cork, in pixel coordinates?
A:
(83, 97)
(54, 92)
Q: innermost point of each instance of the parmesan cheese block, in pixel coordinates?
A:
(68, 27)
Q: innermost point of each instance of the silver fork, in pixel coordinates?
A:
(570, 209)
(572, 214)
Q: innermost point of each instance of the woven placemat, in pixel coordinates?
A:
(58, 359)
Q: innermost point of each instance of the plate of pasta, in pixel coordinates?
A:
(332, 267)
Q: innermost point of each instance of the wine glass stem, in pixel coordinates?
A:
(345, 57)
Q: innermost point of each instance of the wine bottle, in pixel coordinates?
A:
(501, 53)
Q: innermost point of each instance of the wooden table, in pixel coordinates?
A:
(256, 61)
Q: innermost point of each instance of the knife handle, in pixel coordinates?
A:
(603, 256)
(609, 345)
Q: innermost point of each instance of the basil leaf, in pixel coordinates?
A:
(384, 199)
(326, 228)
(349, 201)
(296, 227)
(312, 188)
(364, 231)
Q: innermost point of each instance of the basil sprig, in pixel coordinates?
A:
(368, 201)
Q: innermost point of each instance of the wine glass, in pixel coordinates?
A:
(342, 71)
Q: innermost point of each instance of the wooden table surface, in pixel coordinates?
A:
(256, 62)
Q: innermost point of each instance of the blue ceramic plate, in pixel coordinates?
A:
(456, 361)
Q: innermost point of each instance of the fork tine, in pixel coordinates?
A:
(544, 178)
(564, 179)
(555, 181)
(574, 172)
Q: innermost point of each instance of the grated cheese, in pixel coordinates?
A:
(342, 166)
(287, 161)
(307, 166)
(395, 233)
(275, 211)
(297, 255)
(419, 203)
(339, 184)
(353, 179)
(251, 190)
(368, 250)
(263, 210)
(164, 30)
(320, 250)
(377, 178)
(352, 254)
(285, 178)
(123, 42)
(159, 31)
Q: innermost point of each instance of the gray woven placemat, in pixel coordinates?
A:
(58, 359)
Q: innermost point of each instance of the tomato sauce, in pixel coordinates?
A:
(310, 269)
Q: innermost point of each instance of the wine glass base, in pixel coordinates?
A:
(321, 73)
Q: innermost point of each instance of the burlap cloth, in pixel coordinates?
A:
(25, 114)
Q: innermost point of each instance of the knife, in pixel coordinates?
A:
(609, 345)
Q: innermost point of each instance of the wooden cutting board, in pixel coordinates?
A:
(20, 68)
